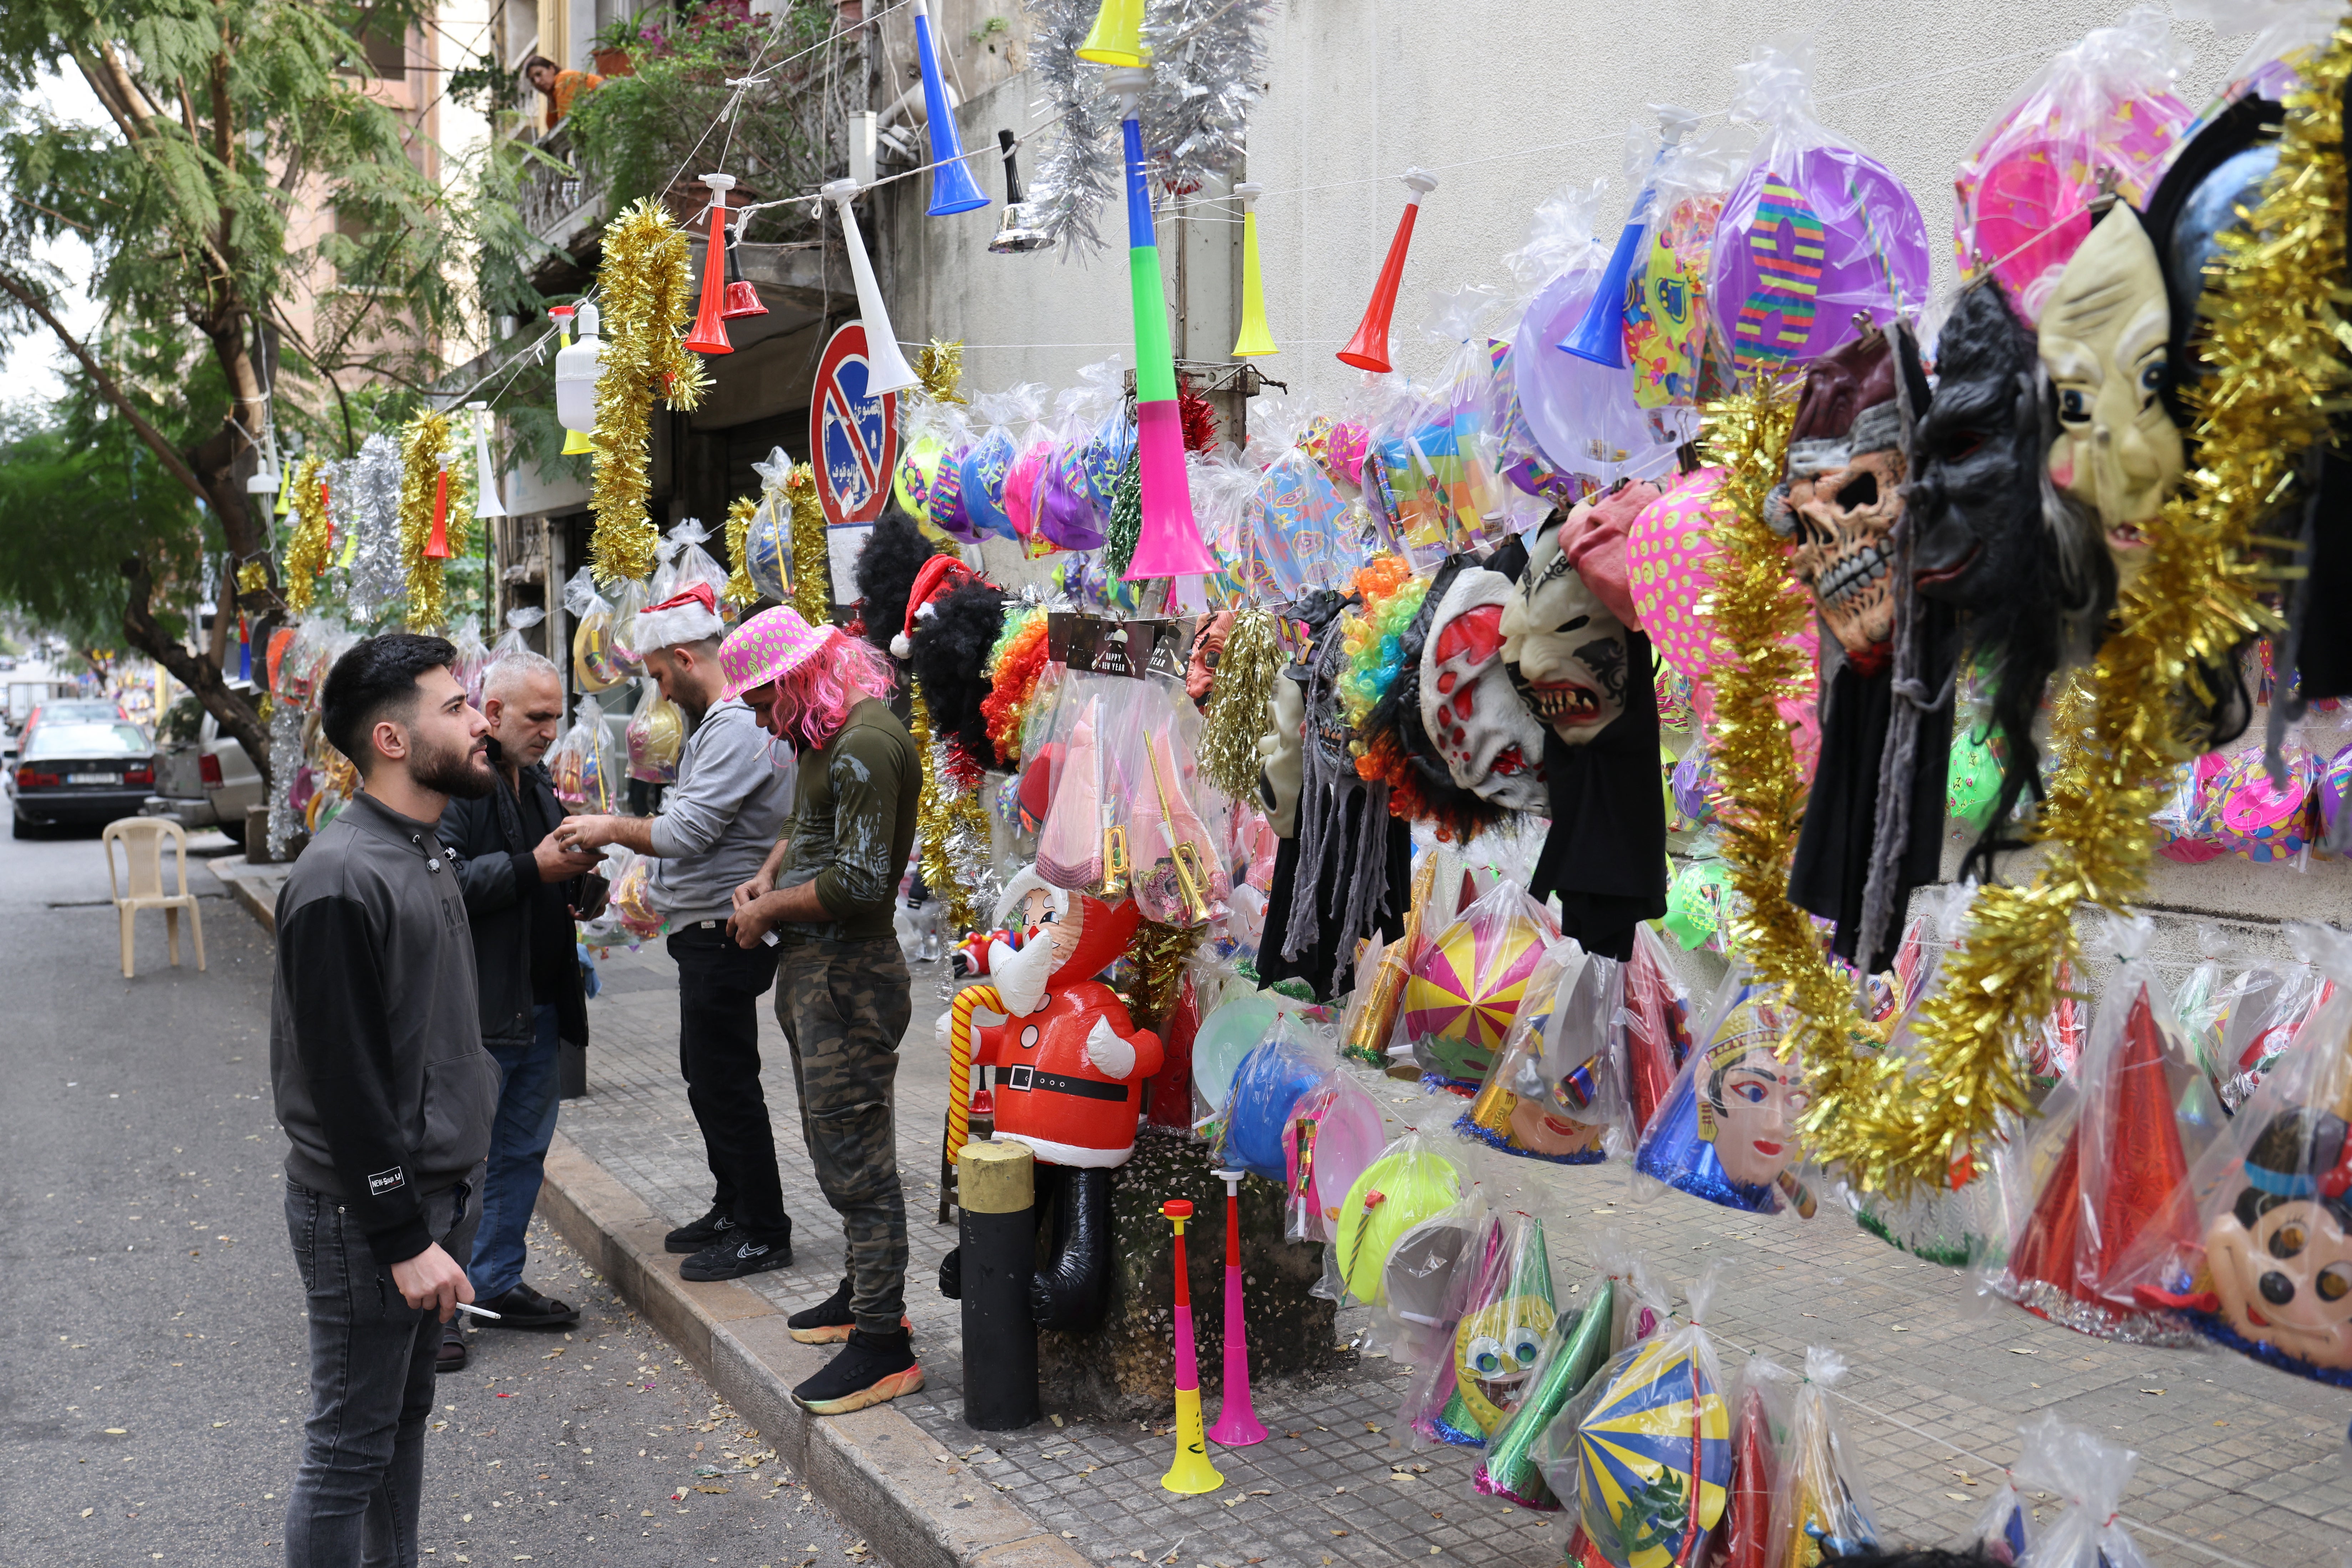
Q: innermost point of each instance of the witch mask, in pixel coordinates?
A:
(1843, 492)
(2107, 345)
(1564, 650)
(1491, 745)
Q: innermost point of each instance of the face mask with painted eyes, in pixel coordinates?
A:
(1494, 1349)
(1564, 650)
(2281, 1257)
(2105, 341)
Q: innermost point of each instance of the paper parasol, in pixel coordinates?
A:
(1464, 990)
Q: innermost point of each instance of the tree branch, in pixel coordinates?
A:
(173, 464)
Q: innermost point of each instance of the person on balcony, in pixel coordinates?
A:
(559, 86)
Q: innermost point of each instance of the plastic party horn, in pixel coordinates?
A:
(1169, 543)
(1369, 348)
(887, 366)
(1599, 336)
(709, 334)
(1191, 1472)
(1237, 1424)
(1255, 340)
(953, 190)
(486, 479)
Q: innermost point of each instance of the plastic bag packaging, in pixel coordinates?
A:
(2005, 1530)
(1727, 1129)
(1638, 1303)
(1293, 519)
(1504, 1311)
(1267, 1087)
(1416, 1283)
(950, 513)
(1152, 784)
(1071, 851)
(1068, 514)
(1413, 1180)
(1033, 446)
(1656, 1018)
(1464, 989)
(1559, 239)
(1676, 356)
(1222, 484)
(2110, 1163)
(630, 903)
(1334, 1130)
(1575, 1349)
(593, 666)
(2287, 33)
(1803, 191)
(921, 441)
(1645, 1449)
(1760, 1416)
(1821, 1508)
(1557, 1085)
(2089, 1477)
(690, 563)
(1460, 317)
(582, 762)
(655, 738)
(510, 640)
(628, 601)
(1400, 472)
(985, 463)
(2262, 1264)
(2102, 107)
(473, 660)
(2263, 1010)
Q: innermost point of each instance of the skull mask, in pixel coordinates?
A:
(1565, 649)
(1843, 492)
(1491, 746)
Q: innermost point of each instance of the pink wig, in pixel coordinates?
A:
(812, 702)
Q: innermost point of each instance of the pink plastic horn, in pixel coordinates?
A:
(1237, 1424)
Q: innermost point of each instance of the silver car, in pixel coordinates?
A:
(203, 778)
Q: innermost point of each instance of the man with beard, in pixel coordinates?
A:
(718, 823)
(384, 1088)
(521, 887)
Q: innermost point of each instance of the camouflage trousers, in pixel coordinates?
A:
(843, 1006)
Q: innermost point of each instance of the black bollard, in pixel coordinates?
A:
(998, 1254)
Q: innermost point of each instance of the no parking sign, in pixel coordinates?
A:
(853, 436)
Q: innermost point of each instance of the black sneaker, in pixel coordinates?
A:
(524, 1307)
(829, 1322)
(732, 1260)
(870, 1369)
(451, 1356)
(712, 1226)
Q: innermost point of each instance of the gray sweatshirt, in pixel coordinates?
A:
(720, 819)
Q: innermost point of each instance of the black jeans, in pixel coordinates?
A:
(356, 1496)
(718, 989)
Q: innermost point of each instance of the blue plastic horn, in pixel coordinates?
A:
(953, 190)
(1601, 335)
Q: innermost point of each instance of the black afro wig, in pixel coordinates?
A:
(894, 552)
(951, 645)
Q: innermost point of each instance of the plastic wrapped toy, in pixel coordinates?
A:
(1466, 982)
(1411, 1182)
(1267, 1087)
(655, 738)
(2089, 1478)
(1507, 1312)
(1557, 1085)
(593, 667)
(1728, 1131)
(1821, 1509)
(1334, 1130)
(1573, 1353)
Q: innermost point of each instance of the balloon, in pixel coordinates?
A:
(1270, 1081)
(1227, 1035)
(912, 481)
(1583, 415)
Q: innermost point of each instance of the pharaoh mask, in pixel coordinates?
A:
(2106, 344)
(1491, 746)
(2282, 1258)
(1564, 650)
(1843, 492)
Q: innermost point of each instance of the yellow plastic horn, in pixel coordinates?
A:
(1117, 37)
(1255, 340)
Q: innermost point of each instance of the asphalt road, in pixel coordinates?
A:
(151, 1410)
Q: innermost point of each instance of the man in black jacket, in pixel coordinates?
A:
(385, 1092)
(520, 888)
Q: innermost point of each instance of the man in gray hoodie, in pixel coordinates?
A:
(385, 1092)
(718, 823)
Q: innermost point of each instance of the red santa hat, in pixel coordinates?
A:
(940, 577)
(689, 617)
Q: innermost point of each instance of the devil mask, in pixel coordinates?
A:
(1564, 650)
(1976, 495)
(1844, 491)
(1491, 745)
(2106, 344)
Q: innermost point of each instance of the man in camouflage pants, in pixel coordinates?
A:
(828, 893)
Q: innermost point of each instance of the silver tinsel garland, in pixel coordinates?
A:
(363, 504)
(284, 761)
(1208, 57)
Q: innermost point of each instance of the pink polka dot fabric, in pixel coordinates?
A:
(1669, 552)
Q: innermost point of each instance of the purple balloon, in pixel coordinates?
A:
(1800, 248)
(1583, 415)
(1066, 510)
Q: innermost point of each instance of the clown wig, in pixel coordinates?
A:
(812, 702)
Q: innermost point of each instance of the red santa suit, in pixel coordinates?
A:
(1070, 1063)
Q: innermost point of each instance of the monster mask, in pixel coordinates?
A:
(1843, 492)
(1208, 647)
(2107, 345)
(1284, 748)
(1491, 745)
(1564, 650)
(1976, 497)
(2281, 1257)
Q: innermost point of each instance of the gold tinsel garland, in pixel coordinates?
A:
(812, 575)
(306, 552)
(425, 453)
(2277, 367)
(645, 289)
(936, 816)
(253, 578)
(740, 591)
(938, 365)
(1237, 712)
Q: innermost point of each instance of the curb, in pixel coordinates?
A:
(876, 1467)
(241, 889)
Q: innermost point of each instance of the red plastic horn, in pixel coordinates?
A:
(436, 544)
(1369, 348)
(742, 298)
(708, 336)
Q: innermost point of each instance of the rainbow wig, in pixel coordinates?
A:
(1013, 667)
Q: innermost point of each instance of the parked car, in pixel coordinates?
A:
(203, 778)
(80, 773)
(77, 710)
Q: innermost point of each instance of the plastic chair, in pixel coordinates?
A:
(142, 849)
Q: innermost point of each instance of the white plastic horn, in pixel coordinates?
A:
(486, 479)
(886, 369)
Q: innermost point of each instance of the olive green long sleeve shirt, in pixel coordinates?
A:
(852, 825)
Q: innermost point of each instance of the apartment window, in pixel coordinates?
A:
(385, 45)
